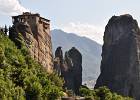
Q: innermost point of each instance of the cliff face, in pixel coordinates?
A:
(35, 31)
(120, 65)
(70, 68)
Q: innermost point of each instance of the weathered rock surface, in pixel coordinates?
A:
(58, 60)
(35, 31)
(120, 65)
(70, 67)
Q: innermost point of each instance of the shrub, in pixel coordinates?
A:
(102, 93)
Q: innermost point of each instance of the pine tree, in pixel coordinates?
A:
(5, 30)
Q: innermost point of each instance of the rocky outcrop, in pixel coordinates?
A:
(120, 65)
(70, 68)
(35, 32)
(58, 61)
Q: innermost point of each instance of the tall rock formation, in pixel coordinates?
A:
(35, 31)
(70, 67)
(58, 60)
(90, 50)
(120, 65)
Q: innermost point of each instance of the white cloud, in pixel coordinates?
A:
(84, 29)
(11, 7)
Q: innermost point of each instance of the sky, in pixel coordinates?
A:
(82, 17)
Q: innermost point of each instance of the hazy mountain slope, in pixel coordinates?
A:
(90, 50)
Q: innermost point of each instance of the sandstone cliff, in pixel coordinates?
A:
(120, 65)
(35, 31)
(70, 68)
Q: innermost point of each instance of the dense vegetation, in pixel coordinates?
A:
(102, 93)
(21, 77)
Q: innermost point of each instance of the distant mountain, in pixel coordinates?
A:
(91, 51)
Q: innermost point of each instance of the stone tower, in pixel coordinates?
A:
(36, 34)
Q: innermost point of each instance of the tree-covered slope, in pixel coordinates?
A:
(23, 78)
